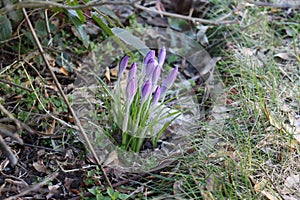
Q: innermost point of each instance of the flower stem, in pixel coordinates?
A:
(125, 124)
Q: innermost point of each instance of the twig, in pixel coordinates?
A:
(7, 152)
(33, 188)
(6, 130)
(10, 131)
(16, 85)
(10, 39)
(193, 19)
(274, 5)
(9, 115)
(77, 122)
(48, 27)
(52, 4)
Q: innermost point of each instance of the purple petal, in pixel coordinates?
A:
(146, 90)
(132, 71)
(123, 64)
(155, 75)
(162, 56)
(156, 95)
(168, 82)
(150, 54)
(150, 66)
(131, 89)
(163, 91)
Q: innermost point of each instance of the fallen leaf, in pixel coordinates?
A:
(39, 166)
(177, 189)
(291, 184)
(63, 71)
(51, 60)
(210, 184)
(68, 183)
(207, 195)
(248, 52)
(259, 186)
(294, 126)
(114, 72)
(285, 56)
(50, 130)
(112, 158)
(269, 196)
(41, 152)
(107, 74)
(286, 197)
(52, 190)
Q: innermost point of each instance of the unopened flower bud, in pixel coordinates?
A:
(156, 95)
(150, 54)
(132, 71)
(155, 75)
(168, 82)
(131, 89)
(146, 90)
(162, 56)
(163, 91)
(123, 64)
(150, 66)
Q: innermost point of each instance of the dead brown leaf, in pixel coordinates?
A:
(114, 72)
(50, 130)
(51, 60)
(107, 74)
(269, 196)
(63, 71)
(259, 186)
(112, 158)
(39, 166)
(52, 190)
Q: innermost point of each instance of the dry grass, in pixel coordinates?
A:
(257, 155)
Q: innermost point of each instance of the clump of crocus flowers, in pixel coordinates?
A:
(139, 109)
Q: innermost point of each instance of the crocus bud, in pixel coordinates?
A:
(150, 54)
(146, 90)
(162, 56)
(168, 82)
(163, 91)
(132, 71)
(156, 95)
(131, 89)
(150, 67)
(155, 75)
(123, 64)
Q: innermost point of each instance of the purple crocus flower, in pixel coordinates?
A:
(162, 56)
(156, 95)
(132, 71)
(155, 75)
(131, 89)
(123, 64)
(168, 82)
(150, 54)
(150, 66)
(163, 91)
(146, 90)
